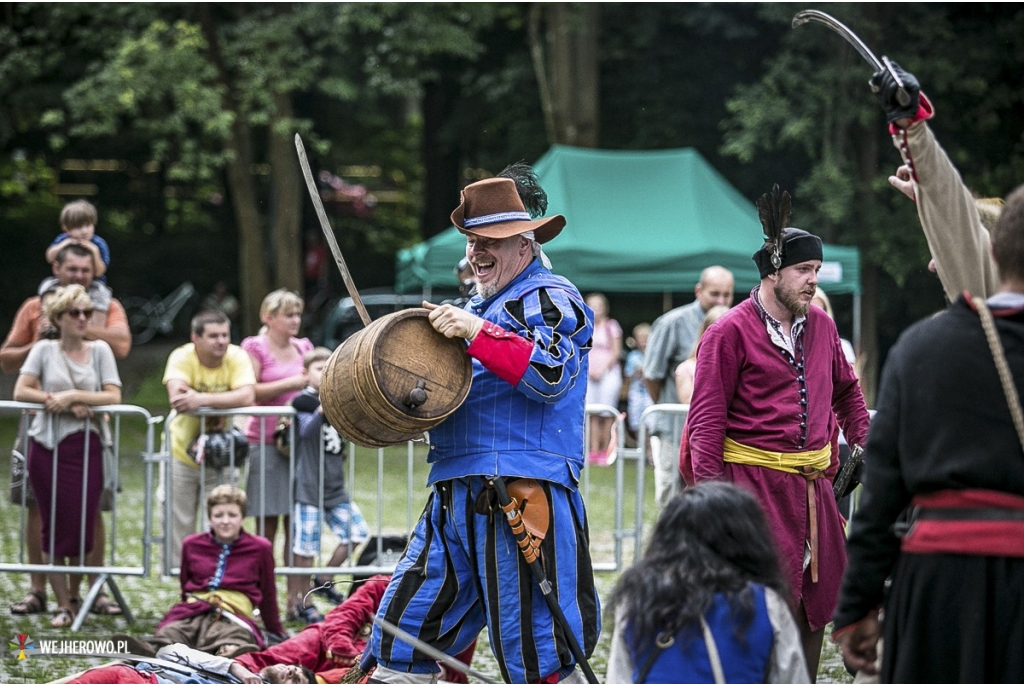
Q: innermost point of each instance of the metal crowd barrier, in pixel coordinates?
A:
(648, 416)
(638, 458)
(383, 461)
(268, 424)
(627, 461)
(267, 416)
(234, 474)
(104, 572)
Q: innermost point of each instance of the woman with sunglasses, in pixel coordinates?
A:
(68, 376)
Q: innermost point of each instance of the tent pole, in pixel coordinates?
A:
(856, 322)
(666, 301)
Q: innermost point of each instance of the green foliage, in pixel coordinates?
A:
(160, 86)
(399, 86)
(43, 47)
(400, 39)
(26, 180)
(28, 217)
(811, 108)
(812, 103)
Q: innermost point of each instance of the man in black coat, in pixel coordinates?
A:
(944, 443)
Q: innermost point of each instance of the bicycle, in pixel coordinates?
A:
(149, 317)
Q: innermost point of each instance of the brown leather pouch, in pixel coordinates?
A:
(533, 505)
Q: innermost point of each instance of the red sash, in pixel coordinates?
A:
(977, 522)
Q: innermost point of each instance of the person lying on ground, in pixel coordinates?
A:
(330, 648)
(180, 663)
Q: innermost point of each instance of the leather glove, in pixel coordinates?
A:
(887, 87)
(453, 322)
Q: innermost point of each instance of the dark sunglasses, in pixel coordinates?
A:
(76, 312)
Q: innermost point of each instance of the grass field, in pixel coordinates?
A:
(395, 503)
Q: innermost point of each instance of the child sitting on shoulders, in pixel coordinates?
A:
(78, 225)
(317, 495)
(707, 602)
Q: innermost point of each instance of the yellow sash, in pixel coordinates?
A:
(229, 600)
(789, 462)
(811, 465)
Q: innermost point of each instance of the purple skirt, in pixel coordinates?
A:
(74, 509)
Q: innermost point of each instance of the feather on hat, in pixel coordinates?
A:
(774, 211)
(783, 244)
(528, 186)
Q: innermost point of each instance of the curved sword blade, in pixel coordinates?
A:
(328, 232)
(801, 18)
(805, 16)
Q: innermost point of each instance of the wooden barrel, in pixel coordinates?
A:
(394, 379)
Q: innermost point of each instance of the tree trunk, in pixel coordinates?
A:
(285, 175)
(252, 271)
(567, 71)
(442, 155)
(540, 69)
(868, 163)
(869, 333)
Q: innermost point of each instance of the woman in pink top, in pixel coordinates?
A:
(605, 382)
(277, 360)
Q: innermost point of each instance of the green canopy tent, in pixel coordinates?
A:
(637, 222)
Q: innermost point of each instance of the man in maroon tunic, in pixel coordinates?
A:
(771, 382)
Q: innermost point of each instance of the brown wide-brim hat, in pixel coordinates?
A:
(492, 209)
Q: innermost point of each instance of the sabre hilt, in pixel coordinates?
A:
(902, 96)
(528, 545)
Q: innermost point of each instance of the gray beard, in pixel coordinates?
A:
(486, 292)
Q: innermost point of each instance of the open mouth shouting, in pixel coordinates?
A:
(483, 269)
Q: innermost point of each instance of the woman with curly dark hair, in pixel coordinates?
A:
(706, 603)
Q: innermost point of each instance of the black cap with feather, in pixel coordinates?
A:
(774, 210)
(535, 200)
(783, 244)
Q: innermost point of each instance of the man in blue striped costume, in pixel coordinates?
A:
(528, 333)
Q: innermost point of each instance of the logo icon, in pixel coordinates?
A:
(20, 644)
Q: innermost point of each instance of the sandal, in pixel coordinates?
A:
(33, 603)
(310, 615)
(104, 606)
(62, 618)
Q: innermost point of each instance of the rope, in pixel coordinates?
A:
(1002, 367)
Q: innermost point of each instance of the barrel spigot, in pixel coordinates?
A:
(417, 395)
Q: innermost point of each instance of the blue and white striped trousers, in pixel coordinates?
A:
(462, 570)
